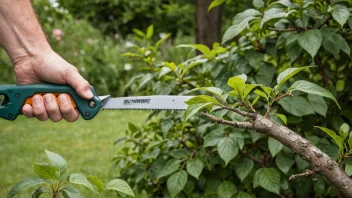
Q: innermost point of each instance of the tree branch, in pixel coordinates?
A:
(240, 112)
(283, 30)
(320, 162)
(306, 174)
(322, 70)
(253, 158)
(242, 125)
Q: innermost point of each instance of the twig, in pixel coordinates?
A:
(240, 112)
(306, 174)
(283, 30)
(242, 125)
(274, 100)
(253, 158)
(322, 70)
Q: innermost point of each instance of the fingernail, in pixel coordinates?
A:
(88, 94)
(37, 100)
(48, 99)
(63, 99)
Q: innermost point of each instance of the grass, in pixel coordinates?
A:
(87, 146)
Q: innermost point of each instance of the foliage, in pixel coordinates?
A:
(184, 155)
(54, 181)
(119, 17)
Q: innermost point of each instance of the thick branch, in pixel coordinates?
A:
(319, 161)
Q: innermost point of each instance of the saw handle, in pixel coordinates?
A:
(15, 96)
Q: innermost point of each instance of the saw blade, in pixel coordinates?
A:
(146, 103)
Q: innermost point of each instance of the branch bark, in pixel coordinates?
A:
(320, 162)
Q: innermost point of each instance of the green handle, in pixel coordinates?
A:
(16, 95)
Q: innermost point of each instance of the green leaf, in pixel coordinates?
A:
(258, 4)
(188, 189)
(282, 117)
(24, 185)
(96, 182)
(343, 45)
(296, 105)
(340, 14)
(119, 185)
(195, 108)
(71, 192)
(340, 85)
(283, 162)
(150, 32)
(240, 23)
(45, 171)
(170, 167)
(58, 161)
(215, 3)
(293, 51)
(226, 189)
(243, 195)
(195, 167)
(38, 192)
(274, 146)
(238, 84)
(166, 125)
(330, 42)
(348, 169)
(344, 131)
(337, 139)
(200, 47)
(287, 74)
(202, 99)
(77, 178)
(220, 95)
(227, 149)
(243, 168)
(269, 179)
(139, 33)
(274, 13)
(233, 31)
(311, 41)
(177, 182)
(312, 88)
(212, 138)
(318, 104)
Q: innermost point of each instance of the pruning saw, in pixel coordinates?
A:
(15, 96)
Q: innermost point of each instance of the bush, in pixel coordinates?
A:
(170, 156)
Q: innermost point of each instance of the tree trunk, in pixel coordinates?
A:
(208, 24)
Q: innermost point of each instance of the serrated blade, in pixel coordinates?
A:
(145, 102)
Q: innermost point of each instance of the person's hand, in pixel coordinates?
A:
(51, 68)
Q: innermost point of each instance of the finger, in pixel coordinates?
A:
(27, 111)
(81, 86)
(66, 108)
(52, 108)
(38, 108)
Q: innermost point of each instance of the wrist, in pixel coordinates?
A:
(31, 55)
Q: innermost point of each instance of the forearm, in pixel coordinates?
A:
(20, 32)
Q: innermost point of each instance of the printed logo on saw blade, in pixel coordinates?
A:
(136, 101)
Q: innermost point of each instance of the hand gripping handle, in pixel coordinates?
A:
(15, 96)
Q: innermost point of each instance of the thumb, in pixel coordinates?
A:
(82, 87)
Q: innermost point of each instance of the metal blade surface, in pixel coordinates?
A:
(146, 103)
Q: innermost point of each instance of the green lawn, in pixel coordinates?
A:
(86, 145)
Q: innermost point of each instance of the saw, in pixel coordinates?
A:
(15, 96)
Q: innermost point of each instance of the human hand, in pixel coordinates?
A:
(51, 68)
